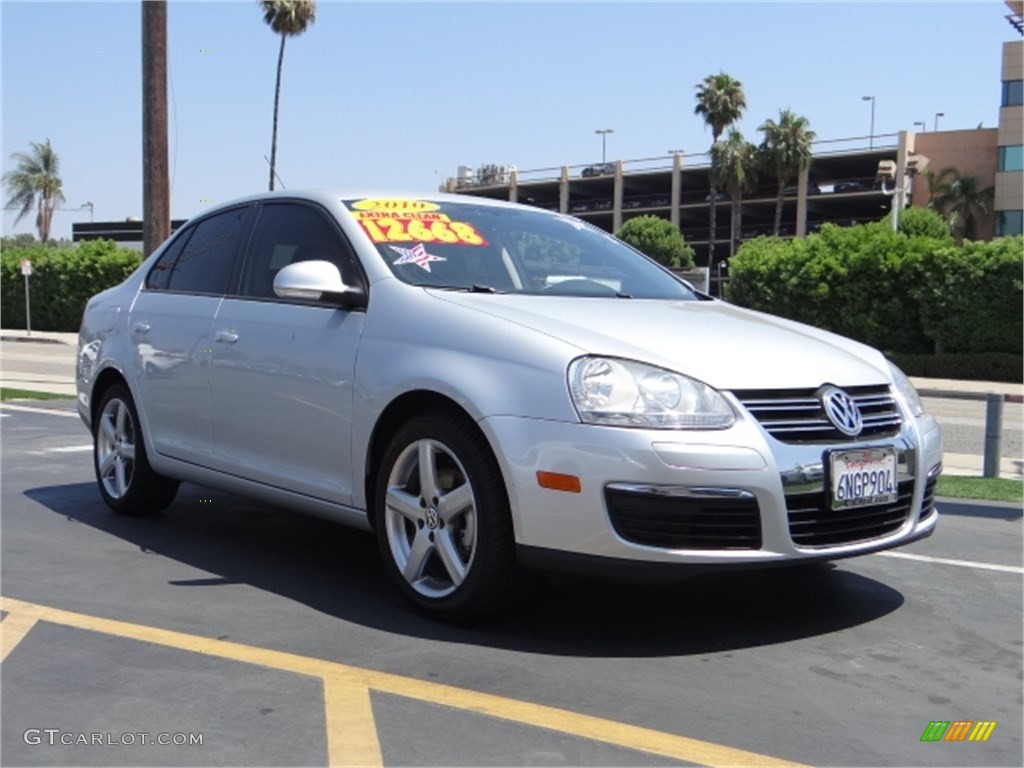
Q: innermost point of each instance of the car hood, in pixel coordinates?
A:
(723, 345)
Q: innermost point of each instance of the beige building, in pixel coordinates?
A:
(973, 153)
(1009, 176)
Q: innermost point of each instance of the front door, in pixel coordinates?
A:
(282, 393)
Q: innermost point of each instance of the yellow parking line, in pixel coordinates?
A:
(352, 733)
(13, 629)
(351, 730)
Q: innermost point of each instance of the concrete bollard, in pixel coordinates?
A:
(993, 433)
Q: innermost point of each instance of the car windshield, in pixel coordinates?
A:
(466, 246)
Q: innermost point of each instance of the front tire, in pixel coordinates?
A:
(442, 519)
(128, 484)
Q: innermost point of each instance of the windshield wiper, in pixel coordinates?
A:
(478, 288)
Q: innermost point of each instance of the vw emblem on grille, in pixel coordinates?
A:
(842, 411)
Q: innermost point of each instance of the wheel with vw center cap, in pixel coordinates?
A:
(442, 518)
(127, 483)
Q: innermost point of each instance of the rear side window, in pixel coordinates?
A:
(287, 233)
(159, 276)
(203, 258)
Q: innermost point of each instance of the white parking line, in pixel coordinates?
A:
(30, 409)
(961, 563)
(61, 449)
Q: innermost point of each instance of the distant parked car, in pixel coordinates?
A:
(794, 189)
(601, 169)
(853, 185)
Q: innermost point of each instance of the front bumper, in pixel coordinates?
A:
(711, 498)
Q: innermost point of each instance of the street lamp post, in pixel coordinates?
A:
(871, 137)
(604, 142)
(937, 116)
(921, 123)
(90, 206)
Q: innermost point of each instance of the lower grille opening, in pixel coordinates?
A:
(680, 522)
(928, 501)
(812, 523)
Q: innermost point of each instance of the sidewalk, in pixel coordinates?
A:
(45, 362)
(40, 362)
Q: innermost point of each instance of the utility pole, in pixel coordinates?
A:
(156, 204)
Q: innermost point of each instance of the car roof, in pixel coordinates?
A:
(332, 198)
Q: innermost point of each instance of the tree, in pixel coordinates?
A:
(658, 238)
(734, 166)
(958, 200)
(35, 183)
(720, 101)
(921, 222)
(288, 18)
(785, 152)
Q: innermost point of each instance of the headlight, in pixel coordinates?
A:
(623, 393)
(910, 397)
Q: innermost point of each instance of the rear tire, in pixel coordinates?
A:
(127, 482)
(442, 519)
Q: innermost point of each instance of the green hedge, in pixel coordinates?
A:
(972, 295)
(862, 282)
(905, 294)
(63, 279)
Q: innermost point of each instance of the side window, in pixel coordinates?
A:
(286, 233)
(208, 258)
(160, 275)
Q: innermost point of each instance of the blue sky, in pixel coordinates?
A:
(397, 95)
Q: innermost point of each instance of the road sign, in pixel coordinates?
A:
(26, 267)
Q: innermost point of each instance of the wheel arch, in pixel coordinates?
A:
(398, 412)
(107, 378)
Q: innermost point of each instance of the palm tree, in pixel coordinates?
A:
(786, 152)
(959, 201)
(288, 18)
(720, 101)
(35, 183)
(734, 166)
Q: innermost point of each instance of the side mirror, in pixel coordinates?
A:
(316, 281)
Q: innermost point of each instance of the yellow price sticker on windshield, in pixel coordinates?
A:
(406, 230)
(394, 205)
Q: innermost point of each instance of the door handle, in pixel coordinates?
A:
(226, 337)
(141, 328)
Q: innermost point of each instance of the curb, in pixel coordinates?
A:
(34, 339)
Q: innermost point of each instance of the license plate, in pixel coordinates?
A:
(863, 477)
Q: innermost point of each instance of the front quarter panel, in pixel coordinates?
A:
(414, 342)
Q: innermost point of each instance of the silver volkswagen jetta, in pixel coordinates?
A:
(489, 386)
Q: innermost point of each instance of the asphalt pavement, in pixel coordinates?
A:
(224, 632)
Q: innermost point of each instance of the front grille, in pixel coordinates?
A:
(682, 522)
(798, 416)
(812, 523)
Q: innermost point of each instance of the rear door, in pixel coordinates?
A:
(282, 369)
(170, 324)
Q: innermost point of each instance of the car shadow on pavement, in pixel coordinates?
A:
(337, 570)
